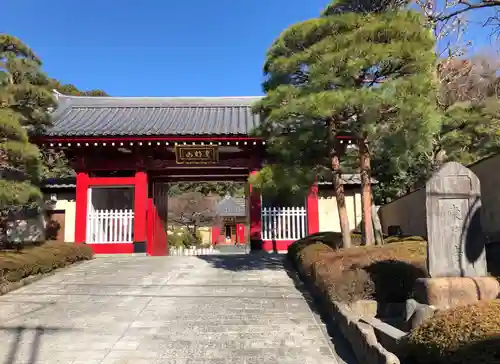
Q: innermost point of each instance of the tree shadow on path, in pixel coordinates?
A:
(18, 332)
(245, 262)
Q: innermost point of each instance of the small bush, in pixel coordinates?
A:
(180, 237)
(334, 239)
(396, 239)
(386, 273)
(16, 265)
(329, 238)
(462, 335)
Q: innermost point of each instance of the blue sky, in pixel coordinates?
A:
(157, 47)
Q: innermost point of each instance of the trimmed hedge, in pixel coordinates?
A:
(462, 335)
(386, 273)
(334, 239)
(16, 265)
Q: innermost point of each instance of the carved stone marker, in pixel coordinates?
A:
(456, 243)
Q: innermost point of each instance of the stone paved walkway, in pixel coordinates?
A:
(214, 309)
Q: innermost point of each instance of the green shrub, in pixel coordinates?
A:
(397, 239)
(334, 239)
(180, 237)
(462, 335)
(386, 273)
(329, 238)
(16, 265)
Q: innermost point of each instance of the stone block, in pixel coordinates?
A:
(388, 336)
(447, 292)
(364, 307)
(421, 314)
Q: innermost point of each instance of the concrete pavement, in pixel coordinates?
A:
(133, 309)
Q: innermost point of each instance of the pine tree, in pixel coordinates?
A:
(71, 90)
(24, 105)
(370, 75)
(55, 164)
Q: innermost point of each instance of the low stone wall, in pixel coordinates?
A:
(360, 334)
(388, 336)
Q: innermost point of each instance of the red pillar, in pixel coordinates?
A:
(150, 244)
(82, 186)
(312, 210)
(255, 218)
(215, 234)
(140, 206)
(240, 231)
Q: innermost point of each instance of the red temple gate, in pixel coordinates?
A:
(125, 150)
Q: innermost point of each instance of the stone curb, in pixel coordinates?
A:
(361, 336)
(12, 286)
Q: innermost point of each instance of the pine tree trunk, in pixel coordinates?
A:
(366, 192)
(338, 185)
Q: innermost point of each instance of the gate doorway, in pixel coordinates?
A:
(200, 217)
(230, 233)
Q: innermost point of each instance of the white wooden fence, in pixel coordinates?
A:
(284, 223)
(110, 226)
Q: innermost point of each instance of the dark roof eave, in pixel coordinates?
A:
(58, 183)
(152, 137)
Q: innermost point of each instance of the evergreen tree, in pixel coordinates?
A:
(370, 75)
(55, 164)
(71, 90)
(364, 6)
(24, 105)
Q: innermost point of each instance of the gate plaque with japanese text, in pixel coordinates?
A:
(194, 154)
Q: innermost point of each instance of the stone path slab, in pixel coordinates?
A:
(133, 309)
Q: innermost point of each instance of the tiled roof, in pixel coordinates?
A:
(59, 183)
(228, 207)
(153, 116)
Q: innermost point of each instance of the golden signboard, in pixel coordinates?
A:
(196, 154)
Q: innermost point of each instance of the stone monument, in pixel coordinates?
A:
(456, 254)
(456, 241)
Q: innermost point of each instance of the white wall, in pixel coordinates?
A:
(328, 212)
(66, 202)
(409, 211)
